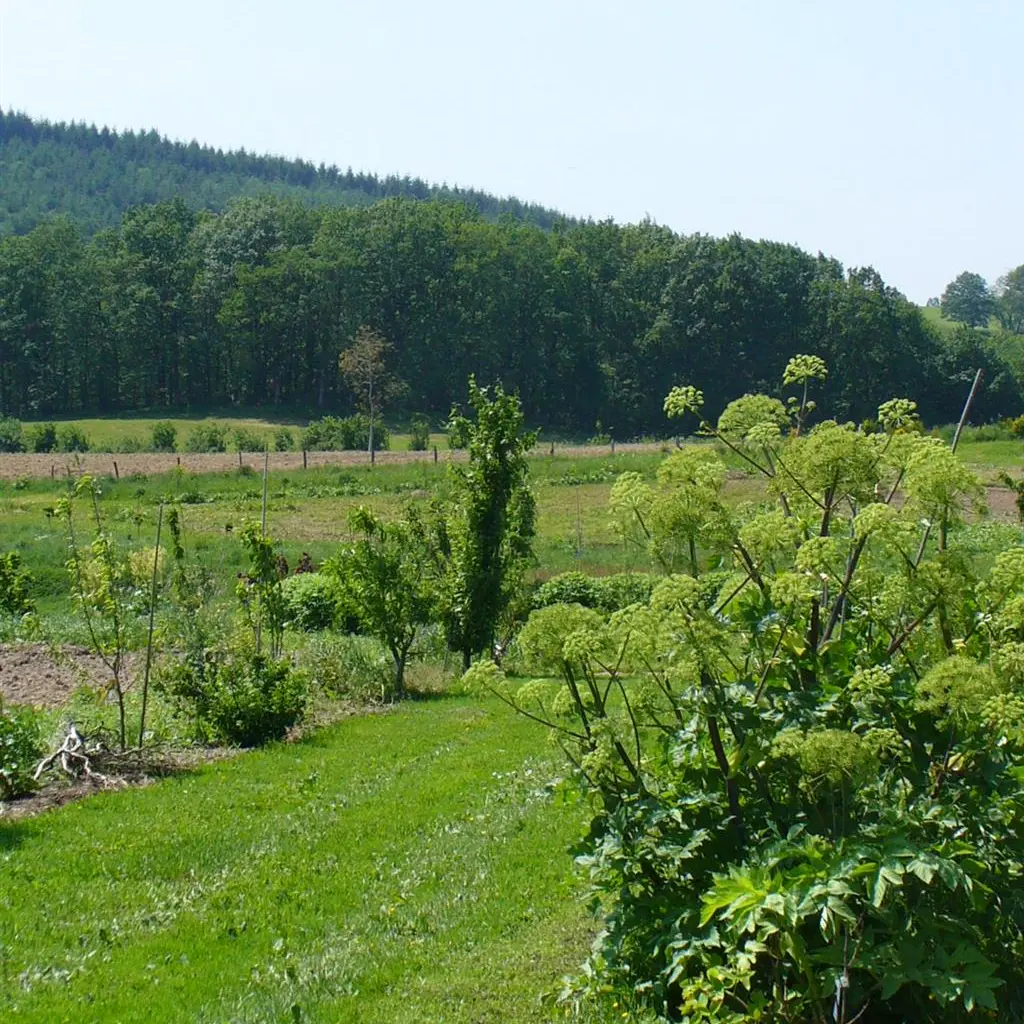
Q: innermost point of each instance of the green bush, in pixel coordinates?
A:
(419, 434)
(238, 697)
(20, 750)
(351, 433)
(1015, 426)
(15, 585)
(129, 445)
(623, 589)
(41, 437)
(284, 440)
(351, 667)
(246, 440)
(207, 437)
(71, 438)
(312, 600)
(568, 588)
(163, 437)
(458, 431)
(11, 439)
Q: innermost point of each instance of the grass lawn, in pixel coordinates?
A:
(402, 867)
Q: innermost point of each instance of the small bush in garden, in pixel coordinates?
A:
(356, 668)
(15, 585)
(284, 440)
(311, 600)
(163, 437)
(41, 438)
(246, 440)
(568, 588)
(239, 697)
(623, 589)
(20, 750)
(11, 439)
(458, 428)
(419, 434)
(207, 437)
(71, 438)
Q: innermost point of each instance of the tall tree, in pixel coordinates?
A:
(968, 300)
(364, 366)
(490, 523)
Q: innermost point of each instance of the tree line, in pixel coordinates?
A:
(252, 307)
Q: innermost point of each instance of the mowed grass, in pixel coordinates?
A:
(403, 867)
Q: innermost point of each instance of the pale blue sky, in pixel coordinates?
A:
(879, 132)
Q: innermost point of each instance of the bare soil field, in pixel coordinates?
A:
(36, 674)
(21, 465)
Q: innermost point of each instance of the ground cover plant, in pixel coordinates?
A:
(807, 775)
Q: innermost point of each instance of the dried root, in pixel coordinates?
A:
(74, 757)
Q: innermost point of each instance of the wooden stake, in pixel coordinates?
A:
(152, 616)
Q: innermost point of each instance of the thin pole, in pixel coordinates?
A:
(152, 617)
(266, 469)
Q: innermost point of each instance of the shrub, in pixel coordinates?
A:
(1015, 426)
(623, 589)
(352, 433)
(20, 750)
(163, 437)
(41, 437)
(419, 434)
(15, 585)
(129, 445)
(239, 697)
(312, 601)
(207, 437)
(246, 440)
(71, 438)
(351, 667)
(11, 439)
(284, 440)
(458, 431)
(568, 588)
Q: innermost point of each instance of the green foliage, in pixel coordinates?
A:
(312, 601)
(15, 585)
(1009, 293)
(351, 433)
(489, 525)
(357, 668)
(284, 440)
(568, 588)
(71, 438)
(246, 440)
(41, 438)
(807, 786)
(419, 434)
(163, 437)
(260, 591)
(11, 439)
(207, 437)
(21, 748)
(239, 697)
(968, 300)
(389, 579)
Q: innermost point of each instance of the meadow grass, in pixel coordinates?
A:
(400, 867)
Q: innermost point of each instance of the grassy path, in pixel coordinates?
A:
(402, 867)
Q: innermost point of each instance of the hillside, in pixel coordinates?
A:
(94, 175)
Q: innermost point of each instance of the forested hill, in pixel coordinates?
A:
(95, 175)
(250, 307)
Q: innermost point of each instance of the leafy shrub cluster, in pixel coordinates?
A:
(239, 697)
(808, 788)
(11, 435)
(207, 437)
(15, 585)
(20, 751)
(419, 434)
(246, 440)
(163, 437)
(313, 600)
(349, 433)
(284, 440)
(606, 593)
(349, 667)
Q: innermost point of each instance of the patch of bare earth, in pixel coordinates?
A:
(39, 675)
(21, 465)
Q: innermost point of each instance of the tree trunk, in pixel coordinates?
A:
(399, 674)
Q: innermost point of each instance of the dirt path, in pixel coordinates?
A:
(17, 466)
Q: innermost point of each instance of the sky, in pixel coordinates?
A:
(886, 132)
